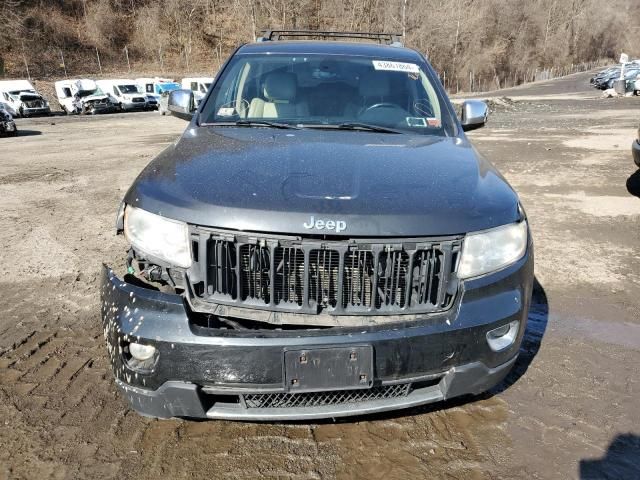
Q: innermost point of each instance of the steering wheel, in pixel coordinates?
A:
(379, 105)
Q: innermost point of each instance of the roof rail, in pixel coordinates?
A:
(393, 39)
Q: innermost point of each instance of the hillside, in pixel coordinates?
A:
(489, 43)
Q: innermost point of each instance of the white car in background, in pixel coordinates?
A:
(157, 89)
(23, 99)
(82, 96)
(198, 85)
(126, 94)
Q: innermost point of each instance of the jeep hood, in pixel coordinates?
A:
(268, 180)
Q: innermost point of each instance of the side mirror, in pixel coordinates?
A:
(182, 104)
(474, 114)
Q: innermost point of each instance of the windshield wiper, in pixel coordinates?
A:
(355, 126)
(251, 123)
(365, 126)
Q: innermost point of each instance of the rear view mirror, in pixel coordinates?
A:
(182, 104)
(474, 114)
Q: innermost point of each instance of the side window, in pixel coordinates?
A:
(194, 86)
(67, 92)
(149, 87)
(115, 91)
(6, 96)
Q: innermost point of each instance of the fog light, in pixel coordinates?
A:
(141, 352)
(503, 337)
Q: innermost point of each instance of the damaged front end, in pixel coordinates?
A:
(33, 104)
(233, 328)
(7, 125)
(93, 106)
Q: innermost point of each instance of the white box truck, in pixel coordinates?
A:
(82, 96)
(23, 99)
(125, 92)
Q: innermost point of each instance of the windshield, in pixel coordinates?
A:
(315, 90)
(167, 87)
(128, 89)
(87, 93)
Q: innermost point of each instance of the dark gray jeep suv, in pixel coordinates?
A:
(321, 241)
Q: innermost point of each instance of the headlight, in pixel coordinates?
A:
(491, 250)
(157, 236)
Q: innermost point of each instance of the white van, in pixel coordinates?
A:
(23, 98)
(82, 96)
(125, 92)
(155, 88)
(198, 85)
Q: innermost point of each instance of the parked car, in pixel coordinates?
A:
(630, 76)
(606, 79)
(125, 94)
(157, 88)
(82, 96)
(7, 125)
(635, 149)
(8, 108)
(323, 240)
(23, 99)
(198, 85)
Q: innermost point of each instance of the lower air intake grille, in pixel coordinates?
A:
(319, 399)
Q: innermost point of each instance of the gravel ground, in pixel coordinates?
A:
(568, 410)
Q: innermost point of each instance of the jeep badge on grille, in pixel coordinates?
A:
(337, 225)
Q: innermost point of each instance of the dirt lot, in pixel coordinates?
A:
(570, 408)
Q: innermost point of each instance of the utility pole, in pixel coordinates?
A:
(64, 66)
(404, 22)
(26, 64)
(126, 52)
(99, 64)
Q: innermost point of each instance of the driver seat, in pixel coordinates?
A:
(374, 87)
(279, 90)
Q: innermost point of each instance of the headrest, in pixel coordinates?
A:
(280, 86)
(374, 84)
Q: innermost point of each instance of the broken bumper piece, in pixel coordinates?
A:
(247, 374)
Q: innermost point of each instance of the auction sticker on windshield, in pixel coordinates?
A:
(396, 66)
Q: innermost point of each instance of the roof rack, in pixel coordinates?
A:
(393, 39)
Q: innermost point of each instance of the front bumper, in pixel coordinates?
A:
(29, 112)
(8, 127)
(133, 106)
(211, 373)
(635, 149)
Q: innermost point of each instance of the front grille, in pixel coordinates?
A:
(332, 277)
(138, 100)
(34, 103)
(319, 399)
